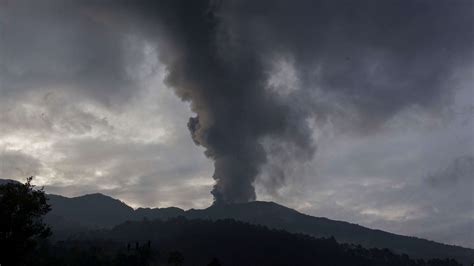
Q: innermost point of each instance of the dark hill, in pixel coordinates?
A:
(72, 215)
(6, 181)
(92, 210)
(276, 216)
(158, 213)
(231, 242)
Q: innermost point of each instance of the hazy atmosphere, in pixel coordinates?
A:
(362, 113)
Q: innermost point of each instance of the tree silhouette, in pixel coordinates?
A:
(214, 262)
(21, 226)
(176, 258)
(195, 242)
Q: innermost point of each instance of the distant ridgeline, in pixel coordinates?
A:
(179, 241)
(95, 211)
(196, 233)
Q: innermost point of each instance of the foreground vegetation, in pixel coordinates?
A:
(176, 241)
(180, 241)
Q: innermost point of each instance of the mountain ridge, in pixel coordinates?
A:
(95, 211)
(269, 214)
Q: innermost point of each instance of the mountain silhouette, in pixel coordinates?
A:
(198, 241)
(276, 216)
(91, 210)
(97, 211)
(94, 211)
(6, 181)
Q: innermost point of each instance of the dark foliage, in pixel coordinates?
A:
(214, 262)
(180, 241)
(73, 215)
(21, 227)
(176, 258)
(176, 241)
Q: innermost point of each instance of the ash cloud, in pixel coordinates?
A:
(225, 83)
(358, 64)
(372, 58)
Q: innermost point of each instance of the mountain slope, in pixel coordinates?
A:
(6, 181)
(276, 216)
(99, 211)
(232, 243)
(93, 211)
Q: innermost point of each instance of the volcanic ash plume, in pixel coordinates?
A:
(351, 62)
(225, 83)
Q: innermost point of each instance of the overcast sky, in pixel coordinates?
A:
(377, 102)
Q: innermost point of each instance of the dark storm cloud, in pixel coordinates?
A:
(61, 44)
(15, 164)
(362, 61)
(225, 84)
(374, 57)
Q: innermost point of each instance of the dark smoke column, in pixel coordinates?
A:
(358, 65)
(236, 160)
(224, 80)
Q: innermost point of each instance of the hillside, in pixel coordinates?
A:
(72, 215)
(276, 216)
(180, 241)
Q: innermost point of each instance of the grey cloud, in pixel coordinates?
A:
(18, 165)
(142, 174)
(61, 44)
(85, 146)
(412, 181)
(461, 170)
(376, 58)
(50, 111)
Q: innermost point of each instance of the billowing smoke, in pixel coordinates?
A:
(356, 64)
(371, 58)
(226, 82)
